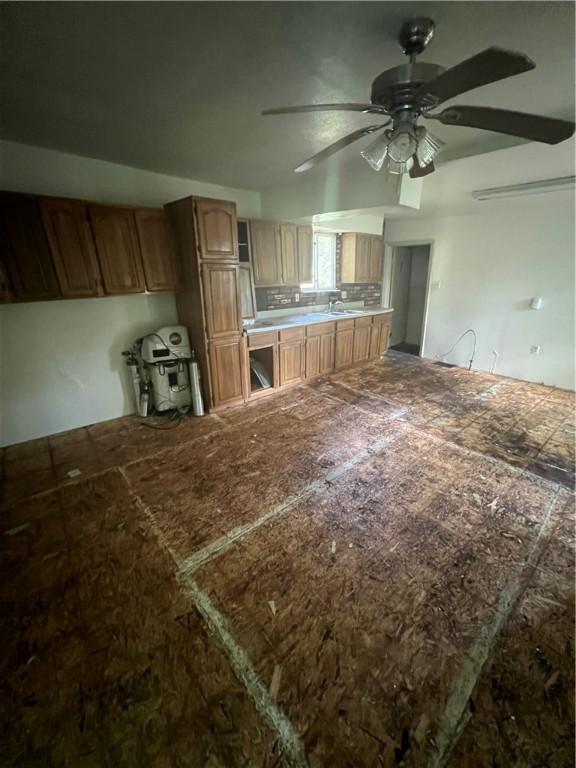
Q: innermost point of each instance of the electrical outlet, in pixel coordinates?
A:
(344, 294)
(436, 285)
(535, 349)
(296, 297)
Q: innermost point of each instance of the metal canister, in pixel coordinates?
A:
(195, 389)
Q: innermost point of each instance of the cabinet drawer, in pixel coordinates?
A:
(345, 325)
(320, 329)
(383, 318)
(292, 334)
(257, 340)
(362, 322)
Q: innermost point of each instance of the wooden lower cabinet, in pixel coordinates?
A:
(326, 353)
(226, 361)
(344, 348)
(291, 362)
(313, 356)
(380, 337)
(361, 349)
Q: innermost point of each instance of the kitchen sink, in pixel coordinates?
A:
(345, 312)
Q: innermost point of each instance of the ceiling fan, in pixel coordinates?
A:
(410, 91)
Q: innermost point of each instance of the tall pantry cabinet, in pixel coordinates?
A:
(208, 294)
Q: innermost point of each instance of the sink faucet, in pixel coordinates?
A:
(332, 304)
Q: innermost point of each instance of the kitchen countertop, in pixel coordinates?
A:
(311, 318)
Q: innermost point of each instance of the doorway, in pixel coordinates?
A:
(408, 289)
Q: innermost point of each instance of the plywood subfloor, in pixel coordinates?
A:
(374, 570)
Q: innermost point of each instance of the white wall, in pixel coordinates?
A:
(489, 265)
(60, 363)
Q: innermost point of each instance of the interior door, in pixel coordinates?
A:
(217, 229)
(158, 248)
(25, 248)
(118, 248)
(399, 294)
(68, 230)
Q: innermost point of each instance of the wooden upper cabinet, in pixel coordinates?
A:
(222, 300)
(158, 248)
(305, 265)
(289, 254)
(361, 258)
(25, 249)
(217, 229)
(70, 237)
(362, 274)
(247, 302)
(118, 250)
(266, 266)
(375, 260)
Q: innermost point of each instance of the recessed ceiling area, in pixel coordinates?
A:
(178, 88)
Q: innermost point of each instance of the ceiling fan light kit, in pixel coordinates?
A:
(406, 93)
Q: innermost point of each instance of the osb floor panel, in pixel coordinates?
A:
(373, 570)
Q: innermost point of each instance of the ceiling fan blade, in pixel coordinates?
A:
(419, 171)
(338, 145)
(374, 109)
(534, 127)
(488, 66)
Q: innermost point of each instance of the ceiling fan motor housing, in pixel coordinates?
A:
(399, 88)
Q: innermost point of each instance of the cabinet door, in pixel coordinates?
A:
(118, 250)
(226, 363)
(217, 229)
(264, 238)
(247, 304)
(362, 271)
(305, 265)
(384, 337)
(375, 332)
(375, 260)
(327, 353)
(222, 300)
(361, 343)
(158, 249)
(291, 362)
(70, 238)
(26, 249)
(344, 348)
(289, 254)
(312, 356)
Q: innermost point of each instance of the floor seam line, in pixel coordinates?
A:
(290, 742)
(198, 559)
(456, 713)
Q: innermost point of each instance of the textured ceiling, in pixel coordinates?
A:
(177, 87)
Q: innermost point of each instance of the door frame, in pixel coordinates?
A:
(389, 248)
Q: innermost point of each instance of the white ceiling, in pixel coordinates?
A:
(177, 88)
